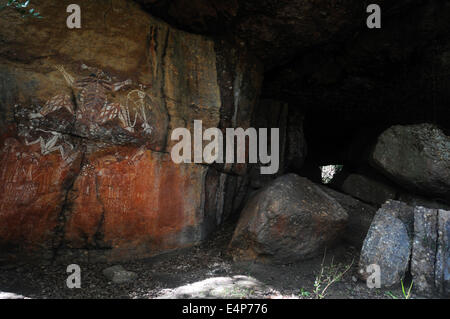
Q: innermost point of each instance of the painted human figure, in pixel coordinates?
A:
(93, 103)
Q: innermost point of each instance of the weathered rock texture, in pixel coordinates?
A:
(86, 119)
(391, 242)
(417, 200)
(289, 220)
(33, 189)
(430, 257)
(417, 157)
(275, 30)
(367, 189)
(119, 275)
(388, 243)
(423, 257)
(360, 216)
(442, 267)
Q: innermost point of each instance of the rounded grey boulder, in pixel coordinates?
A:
(388, 243)
(415, 156)
(290, 219)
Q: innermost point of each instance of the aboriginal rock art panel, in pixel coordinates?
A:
(100, 109)
(47, 134)
(118, 112)
(33, 186)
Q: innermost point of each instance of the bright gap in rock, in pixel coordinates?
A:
(329, 171)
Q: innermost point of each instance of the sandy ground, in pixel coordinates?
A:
(204, 271)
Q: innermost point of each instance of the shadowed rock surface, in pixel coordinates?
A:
(388, 244)
(391, 242)
(360, 216)
(368, 190)
(275, 30)
(442, 268)
(417, 157)
(118, 274)
(430, 256)
(423, 257)
(417, 200)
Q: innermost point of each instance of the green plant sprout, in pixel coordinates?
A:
(22, 8)
(304, 293)
(406, 294)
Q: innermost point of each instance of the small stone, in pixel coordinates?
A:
(119, 275)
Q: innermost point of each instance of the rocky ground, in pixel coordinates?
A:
(204, 271)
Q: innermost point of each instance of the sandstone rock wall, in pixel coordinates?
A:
(86, 117)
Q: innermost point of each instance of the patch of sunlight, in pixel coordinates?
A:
(329, 171)
(217, 287)
(10, 295)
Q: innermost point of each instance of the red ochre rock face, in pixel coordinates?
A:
(133, 200)
(32, 192)
(124, 201)
(85, 169)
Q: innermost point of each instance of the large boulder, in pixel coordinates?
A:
(388, 243)
(360, 216)
(415, 156)
(290, 219)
